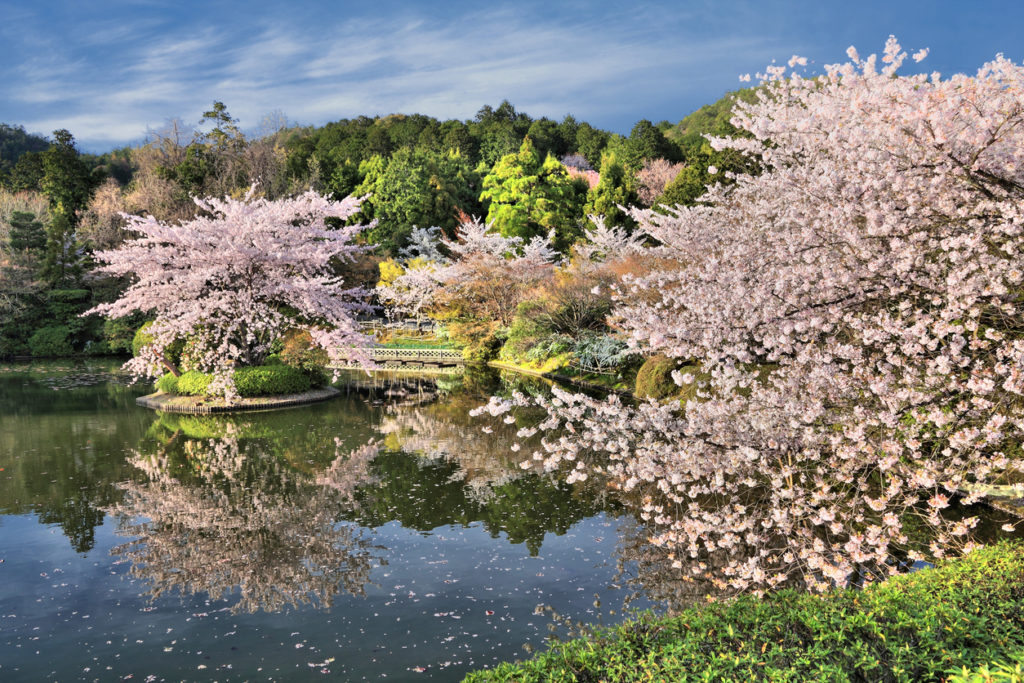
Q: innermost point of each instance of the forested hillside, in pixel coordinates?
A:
(525, 176)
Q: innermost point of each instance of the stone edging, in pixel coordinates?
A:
(199, 405)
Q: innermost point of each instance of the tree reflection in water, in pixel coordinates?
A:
(462, 470)
(217, 511)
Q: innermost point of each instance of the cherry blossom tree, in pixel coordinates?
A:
(854, 316)
(654, 177)
(238, 276)
(487, 274)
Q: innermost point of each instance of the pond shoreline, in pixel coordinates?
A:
(557, 377)
(200, 405)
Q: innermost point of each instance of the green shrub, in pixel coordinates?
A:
(194, 383)
(654, 379)
(260, 380)
(268, 380)
(1008, 670)
(53, 340)
(919, 626)
(602, 351)
(524, 332)
(141, 338)
(64, 305)
(168, 384)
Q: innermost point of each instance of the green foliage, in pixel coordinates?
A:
(692, 181)
(686, 187)
(193, 383)
(66, 304)
(67, 180)
(269, 380)
(416, 188)
(191, 172)
(54, 328)
(525, 331)
(62, 262)
(344, 179)
(499, 131)
(645, 142)
(613, 190)
(654, 379)
(259, 380)
(27, 173)
(27, 233)
(14, 142)
(142, 337)
(52, 340)
(910, 628)
(1008, 670)
(711, 119)
(547, 138)
(419, 343)
(225, 132)
(168, 384)
(529, 196)
(119, 334)
(591, 143)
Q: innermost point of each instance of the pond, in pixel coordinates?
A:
(383, 534)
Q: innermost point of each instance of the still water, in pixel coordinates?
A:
(380, 535)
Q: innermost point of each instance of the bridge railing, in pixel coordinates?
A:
(387, 356)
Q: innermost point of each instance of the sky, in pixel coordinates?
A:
(110, 71)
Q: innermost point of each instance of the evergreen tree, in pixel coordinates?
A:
(67, 180)
(27, 233)
(62, 262)
(615, 189)
(591, 142)
(416, 188)
(529, 196)
(499, 131)
(27, 172)
(225, 133)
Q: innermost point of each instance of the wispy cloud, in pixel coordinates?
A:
(110, 76)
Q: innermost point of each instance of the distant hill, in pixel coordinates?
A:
(710, 119)
(14, 142)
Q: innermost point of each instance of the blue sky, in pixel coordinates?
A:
(109, 70)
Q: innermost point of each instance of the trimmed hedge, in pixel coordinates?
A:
(261, 380)
(193, 383)
(920, 626)
(268, 380)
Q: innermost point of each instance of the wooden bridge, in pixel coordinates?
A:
(416, 359)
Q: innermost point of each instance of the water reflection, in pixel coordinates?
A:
(280, 508)
(62, 430)
(224, 512)
(279, 514)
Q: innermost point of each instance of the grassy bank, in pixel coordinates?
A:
(923, 626)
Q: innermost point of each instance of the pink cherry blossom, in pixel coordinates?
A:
(855, 312)
(236, 277)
